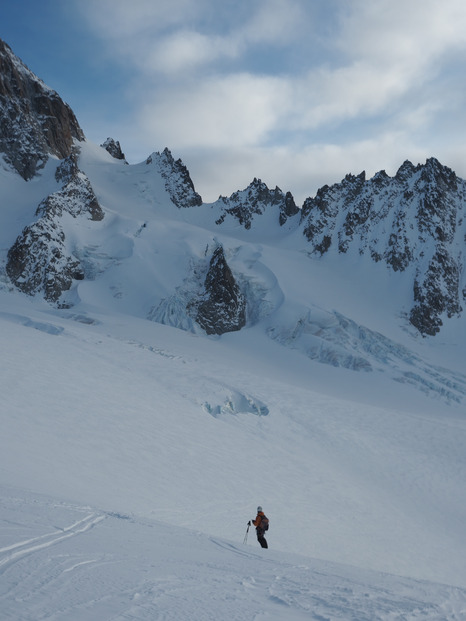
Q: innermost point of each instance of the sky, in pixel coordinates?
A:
(295, 92)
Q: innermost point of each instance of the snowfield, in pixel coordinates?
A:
(73, 562)
(133, 453)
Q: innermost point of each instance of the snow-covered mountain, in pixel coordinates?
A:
(413, 222)
(169, 360)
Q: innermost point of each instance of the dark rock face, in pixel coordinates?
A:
(68, 168)
(76, 198)
(423, 198)
(40, 260)
(435, 293)
(437, 289)
(34, 121)
(178, 182)
(413, 220)
(256, 199)
(222, 307)
(114, 148)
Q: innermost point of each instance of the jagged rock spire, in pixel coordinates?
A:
(178, 182)
(411, 221)
(222, 307)
(256, 199)
(113, 147)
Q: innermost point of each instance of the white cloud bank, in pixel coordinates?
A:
(294, 91)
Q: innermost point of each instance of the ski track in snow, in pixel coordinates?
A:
(114, 567)
(23, 548)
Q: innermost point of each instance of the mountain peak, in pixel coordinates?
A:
(434, 172)
(412, 220)
(178, 182)
(257, 198)
(113, 147)
(405, 170)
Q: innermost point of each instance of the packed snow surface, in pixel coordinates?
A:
(133, 453)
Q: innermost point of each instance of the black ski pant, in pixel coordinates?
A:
(260, 538)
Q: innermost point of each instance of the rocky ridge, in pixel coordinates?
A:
(413, 221)
(256, 200)
(34, 121)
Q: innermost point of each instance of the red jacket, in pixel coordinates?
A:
(258, 520)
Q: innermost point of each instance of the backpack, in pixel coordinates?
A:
(264, 523)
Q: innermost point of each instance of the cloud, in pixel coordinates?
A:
(171, 36)
(121, 21)
(390, 51)
(290, 84)
(136, 34)
(275, 22)
(412, 32)
(232, 110)
(386, 50)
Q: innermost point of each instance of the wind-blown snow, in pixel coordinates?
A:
(133, 453)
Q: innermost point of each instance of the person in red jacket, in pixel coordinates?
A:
(262, 524)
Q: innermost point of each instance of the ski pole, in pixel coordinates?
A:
(246, 535)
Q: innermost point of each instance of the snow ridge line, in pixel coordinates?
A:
(77, 528)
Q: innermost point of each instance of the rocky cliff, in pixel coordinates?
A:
(221, 307)
(209, 297)
(34, 121)
(43, 260)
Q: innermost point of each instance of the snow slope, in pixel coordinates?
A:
(73, 562)
(133, 453)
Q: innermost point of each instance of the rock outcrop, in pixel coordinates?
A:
(42, 259)
(222, 307)
(34, 120)
(114, 148)
(209, 297)
(178, 182)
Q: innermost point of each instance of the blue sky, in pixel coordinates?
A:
(296, 92)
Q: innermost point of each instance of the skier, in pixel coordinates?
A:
(262, 524)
